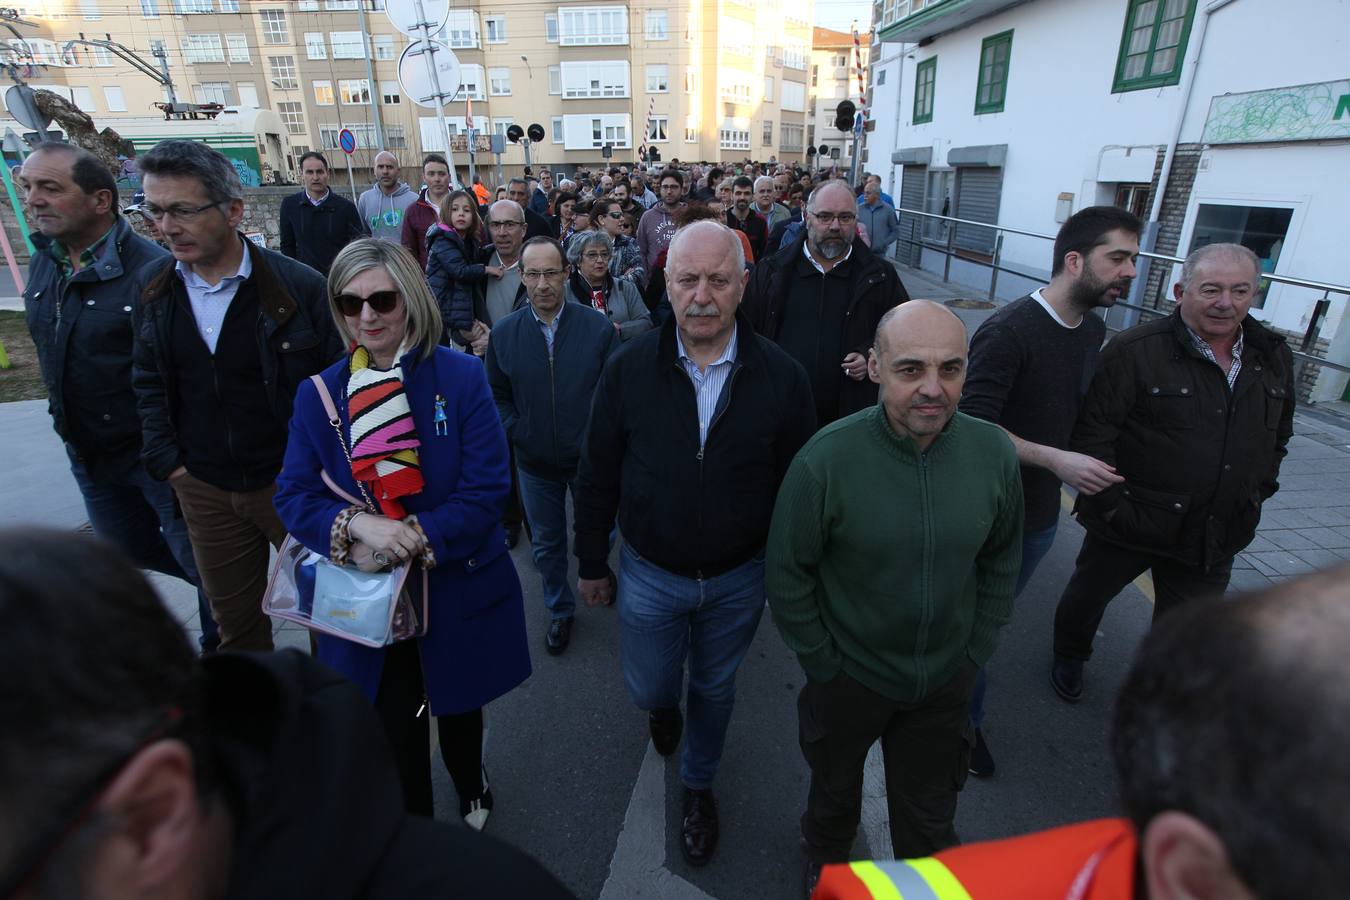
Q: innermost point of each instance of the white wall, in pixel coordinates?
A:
(1063, 125)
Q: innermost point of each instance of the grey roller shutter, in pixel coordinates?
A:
(913, 184)
(977, 195)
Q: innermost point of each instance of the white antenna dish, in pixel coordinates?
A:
(416, 77)
(405, 16)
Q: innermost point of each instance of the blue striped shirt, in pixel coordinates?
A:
(708, 383)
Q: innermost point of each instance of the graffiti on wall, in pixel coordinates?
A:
(1306, 112)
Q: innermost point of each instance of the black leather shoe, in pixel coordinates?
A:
(666, 726)
(1066, 677)
(559, 636)
(512, 535)
(698, 837)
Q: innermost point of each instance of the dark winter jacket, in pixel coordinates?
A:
(314, 234)
(754, 228)
(544, 400)
(295, 339)
(875, 289)
(623, 303)
(281, 730)
(82, 329)
(417, 219)
(696, 511)
(453, 272)
(1198, 459)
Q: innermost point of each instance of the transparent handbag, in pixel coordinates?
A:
(373, 609)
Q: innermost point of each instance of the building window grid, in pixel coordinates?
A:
(499, 82)
(347, 45)
(925, 88)
(735, 92)
(384, 47)
(293, 115)
(315, 48)
(794, 57)
(557, 129)
(203, 48)
(229, 6)
(593, 26)
(584, 80)
(354, 90)
(461, 29)
(555, 79)
(767, 137)
(551, 28)
(657, 25)
(328, 136)
(114, 99)
(102, 56)
(323, 93)
(395, 137)
(390, 93)
(1153, 47)
(768, 89)
(658, 78)
(237, 47)
(992, 85)
(283, 71)
(791, 137)
(495, 27)
(150, 9)
(691, 135)
(274, 26)
(658, 129)
(734, 139)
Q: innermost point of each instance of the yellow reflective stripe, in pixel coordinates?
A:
(877, 882)
(940, 879)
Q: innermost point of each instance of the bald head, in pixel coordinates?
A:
(386, 171)
(832, 189)
(504, 210)
(919, 319)
(704, 236)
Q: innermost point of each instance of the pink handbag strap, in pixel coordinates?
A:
(326, 397)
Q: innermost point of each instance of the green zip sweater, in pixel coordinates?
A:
(891, 563)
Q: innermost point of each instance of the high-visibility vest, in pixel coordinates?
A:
(1090, 861)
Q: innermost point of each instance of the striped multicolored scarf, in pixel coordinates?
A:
(383, 437)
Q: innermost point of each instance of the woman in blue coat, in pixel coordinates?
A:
(430, 457)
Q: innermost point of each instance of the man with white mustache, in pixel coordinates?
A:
(691, 429)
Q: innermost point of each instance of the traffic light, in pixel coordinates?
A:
(843, 115)
(810, 151)
(535, 132)
(514, 133)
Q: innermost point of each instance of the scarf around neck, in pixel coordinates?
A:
(383, 436)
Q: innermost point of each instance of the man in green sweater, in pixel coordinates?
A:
(892, 557)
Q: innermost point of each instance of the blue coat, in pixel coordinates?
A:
(476, 648)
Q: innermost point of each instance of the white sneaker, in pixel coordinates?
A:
(476, 815)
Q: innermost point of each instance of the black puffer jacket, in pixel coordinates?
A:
(82, 329)
(296, 339)
(1198, 460)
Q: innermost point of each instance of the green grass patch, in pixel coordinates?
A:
(23, 379)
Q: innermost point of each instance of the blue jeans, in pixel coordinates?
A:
(1035, 544)
(138, 515)
(545, 503)
(664, 618)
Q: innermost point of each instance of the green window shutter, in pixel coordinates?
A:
(925, 85)
(1153, 47)
(992, 84)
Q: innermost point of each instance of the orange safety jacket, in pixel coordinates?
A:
(1089, 861)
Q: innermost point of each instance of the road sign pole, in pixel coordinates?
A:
(351, 179)
(527, 142)
(430, 55)
(347, 144)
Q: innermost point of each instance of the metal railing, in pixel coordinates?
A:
(949, 250)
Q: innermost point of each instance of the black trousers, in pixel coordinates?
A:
(1104, 569)
(398, 702)
(926, 747)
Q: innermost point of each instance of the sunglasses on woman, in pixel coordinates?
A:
(380, 301)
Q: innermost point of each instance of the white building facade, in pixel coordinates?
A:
(1214, 120)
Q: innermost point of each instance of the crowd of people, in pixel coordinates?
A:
(727, 376)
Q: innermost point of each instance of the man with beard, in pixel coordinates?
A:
(1030, 365)
(1195, 411)
(821, 297)
(742, 218)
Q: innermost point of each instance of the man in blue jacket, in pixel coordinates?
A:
(543, 363)
(82, 281)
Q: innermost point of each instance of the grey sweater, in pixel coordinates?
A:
(383, 213)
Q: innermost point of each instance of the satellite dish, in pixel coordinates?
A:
(21, 105)
(403, 15)
(514, 133)
(535, 132)
(416, 79)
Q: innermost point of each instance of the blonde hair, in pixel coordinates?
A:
(425, 325)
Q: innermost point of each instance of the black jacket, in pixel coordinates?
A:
(756, 229)
(82, 330)
(544, 400)
(876, 288)
(314, 234)
(537, 225)
(1198, 460)
(282, 732)
(695, 511)
(295, 334)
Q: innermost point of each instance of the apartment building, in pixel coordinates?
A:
(834, 78)
(691, 80)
